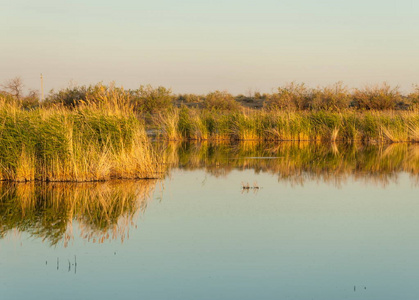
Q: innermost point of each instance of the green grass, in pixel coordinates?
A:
(275, 125)
(95, 141)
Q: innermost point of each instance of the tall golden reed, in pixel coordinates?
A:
(98, 140)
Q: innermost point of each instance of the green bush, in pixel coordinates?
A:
(381, 97)
(190, 98)
(221, 101)
(152, 100)
(69, 97)
(333, 98)
(413, 98)
(294, 96)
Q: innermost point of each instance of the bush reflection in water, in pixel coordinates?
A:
(103, 210)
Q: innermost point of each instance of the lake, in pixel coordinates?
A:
(228, 221)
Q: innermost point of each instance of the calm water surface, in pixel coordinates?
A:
(327, 222)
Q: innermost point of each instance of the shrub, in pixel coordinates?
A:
(190, 98)
(30, 101)
(413, 98)
(152, 100)
(292, 96)
(332, 98)
(69, 97)
(377, 98)
(221, 101)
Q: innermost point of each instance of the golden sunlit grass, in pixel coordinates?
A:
(276, 125)
(98, 140)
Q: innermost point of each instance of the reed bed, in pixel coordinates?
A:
(275, 125)
(100, 139)
(102, 210)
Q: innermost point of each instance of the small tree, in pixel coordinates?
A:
(14, 87)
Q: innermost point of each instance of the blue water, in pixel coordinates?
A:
(204, 237)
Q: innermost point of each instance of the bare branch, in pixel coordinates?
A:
(14, 87)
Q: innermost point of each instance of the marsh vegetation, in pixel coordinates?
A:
(293, 182)
(292, 112)
(98, 132)
(99, 139)
(278, 125)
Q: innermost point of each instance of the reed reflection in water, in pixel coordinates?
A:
(208, 240)
(103, 210)
(106, 210)
(298, 162)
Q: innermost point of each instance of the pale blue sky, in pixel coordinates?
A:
(199, 46)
